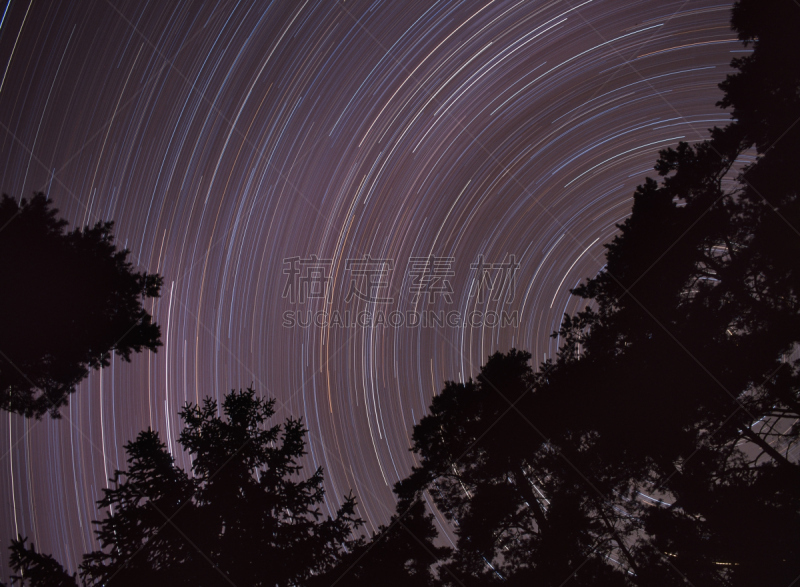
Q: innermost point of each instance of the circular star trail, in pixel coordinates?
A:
(227, 139)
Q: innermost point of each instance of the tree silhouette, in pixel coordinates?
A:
(521, 514)
(243, 516)
(150, 509)
(40, 570)
(71, 300)
(696, 326)
(664, 434)
(401, 554)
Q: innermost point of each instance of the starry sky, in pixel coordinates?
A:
(388, 147)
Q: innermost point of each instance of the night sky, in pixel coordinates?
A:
(226, 137)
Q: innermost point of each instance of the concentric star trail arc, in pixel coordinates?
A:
(227, 139)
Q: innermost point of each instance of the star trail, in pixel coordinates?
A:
(226, 139)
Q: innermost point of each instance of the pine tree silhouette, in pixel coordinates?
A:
(70, 300)
(244, 516)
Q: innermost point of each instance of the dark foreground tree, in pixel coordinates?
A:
(41, 570)
(522, 514)
(697, 327)
(244, 516)
(401, 554)
(662, 441)
(68, 300)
